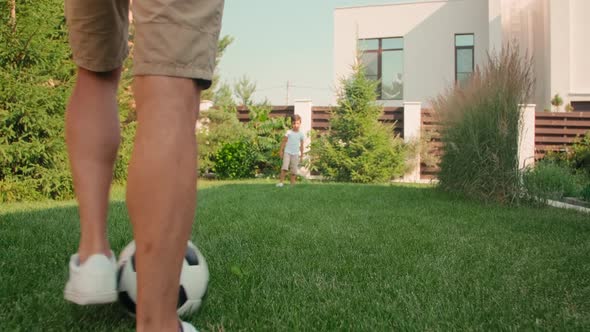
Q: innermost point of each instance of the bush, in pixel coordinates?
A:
(219, 126)
(548, 180)
(124, 153)
(580, 155)
(267, 133)
(235, 161)
(358, 148)
(585, 193)
(35, 79)
(480, 129)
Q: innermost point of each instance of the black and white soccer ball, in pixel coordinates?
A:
(194, 279)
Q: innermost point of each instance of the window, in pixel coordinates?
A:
(463, 57)
(581, 106)
(383, 61)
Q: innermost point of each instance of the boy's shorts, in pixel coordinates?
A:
(172, 37)
(291, 163)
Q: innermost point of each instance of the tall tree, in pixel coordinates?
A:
(12, 20)
(36, 75)
(244, 89)
(222, 45)
(358, 148)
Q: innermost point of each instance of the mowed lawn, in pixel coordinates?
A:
(327, 257)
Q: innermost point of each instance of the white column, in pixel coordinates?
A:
(203, 107)
(303, 109)
(526, 140)
(412, 129)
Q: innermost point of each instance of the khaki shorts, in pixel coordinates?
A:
(172, 37)
(291, 162)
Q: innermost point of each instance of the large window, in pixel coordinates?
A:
(463, 57)
(383, 61)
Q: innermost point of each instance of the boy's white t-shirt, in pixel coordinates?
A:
(294, 139)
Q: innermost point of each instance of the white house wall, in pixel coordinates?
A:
(579, 50)
(525, 24)
(555, 33)
(428, 28)
(560, 46)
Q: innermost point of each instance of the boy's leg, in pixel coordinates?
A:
(175, 42)
(282, 176)
(293, 166)
(284, 168)
(92, 136)
(161, 193)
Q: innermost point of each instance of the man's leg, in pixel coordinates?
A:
(161, 193)
(92, 136)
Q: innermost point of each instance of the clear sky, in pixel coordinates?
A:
(283, 40)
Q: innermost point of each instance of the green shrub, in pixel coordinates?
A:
(585, 193)
(124, 153)
(35, 79)
(358, 148)
(235, 161)
(548, 180)
(218, 127)
(267, 133)
(580, 155)
(480, 129)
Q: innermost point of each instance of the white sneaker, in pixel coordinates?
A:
(279, 185)
(93, 282)
(187, 327)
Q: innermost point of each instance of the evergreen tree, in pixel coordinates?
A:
(357, 147)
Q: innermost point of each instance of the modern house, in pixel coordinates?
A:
(418, 48)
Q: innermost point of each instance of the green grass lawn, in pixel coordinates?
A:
(327, 257)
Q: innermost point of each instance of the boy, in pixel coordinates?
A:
(291, 150)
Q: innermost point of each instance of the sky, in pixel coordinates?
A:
(280, 41)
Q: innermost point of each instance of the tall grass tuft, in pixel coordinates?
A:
(480, 128)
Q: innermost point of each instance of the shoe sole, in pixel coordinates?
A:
(86, 299)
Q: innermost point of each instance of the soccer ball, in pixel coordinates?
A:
(194, 279)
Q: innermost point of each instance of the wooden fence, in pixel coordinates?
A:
(320, 118)
(276, 111)
(557, 131)
(430, 130)
(553, 131)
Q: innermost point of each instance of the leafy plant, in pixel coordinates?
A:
(218, 127)
(480, 129)
(580, 154)
(35, 79)
(357, 147)
(235, 161)
(585, 193)
(557, 101)
(268, 133)
(549, 180)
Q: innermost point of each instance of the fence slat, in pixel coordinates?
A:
(560, 131)
(562, 123)
(557, 131)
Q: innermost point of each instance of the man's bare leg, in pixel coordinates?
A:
(161, 193)
(92, 136)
